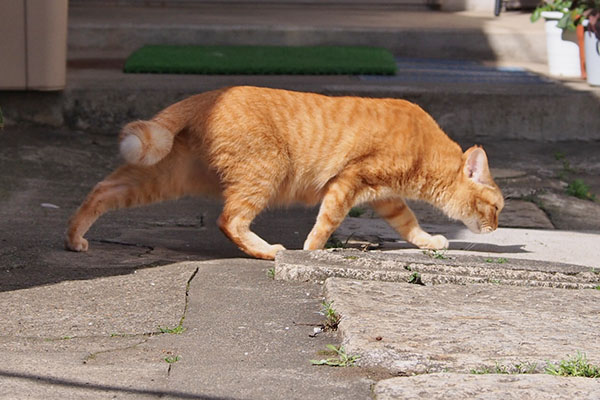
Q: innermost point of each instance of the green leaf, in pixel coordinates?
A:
(332, 348)
(563, 23)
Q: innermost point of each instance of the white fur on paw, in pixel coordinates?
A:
(79, 244)
(439, 242)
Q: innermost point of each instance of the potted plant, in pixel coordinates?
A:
(591, 13)
(561, 40)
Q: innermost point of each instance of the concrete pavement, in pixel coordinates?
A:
(89, 325)
(164, 306)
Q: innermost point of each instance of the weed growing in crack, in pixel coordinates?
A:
(577, 365)
(415, 279)
(500, 260)
(518, 368)
(172, 359)
(176, 331)
(566, 165)
(332, 317)
(340, 359)
(271, 273)
(579, 189)
(437, 254)
(535, 200)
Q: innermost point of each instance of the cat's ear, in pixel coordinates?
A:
(476, 165)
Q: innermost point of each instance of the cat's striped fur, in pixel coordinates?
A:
(259, 147)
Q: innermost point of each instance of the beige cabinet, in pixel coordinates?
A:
(33, 44)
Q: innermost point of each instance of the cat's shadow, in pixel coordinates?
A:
(465, 246)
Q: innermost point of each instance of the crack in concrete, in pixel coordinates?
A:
(148, 335)
(111, 241)
(92, 356)
(187, 295)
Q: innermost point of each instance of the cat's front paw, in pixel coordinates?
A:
(437, 242)
(76, 244)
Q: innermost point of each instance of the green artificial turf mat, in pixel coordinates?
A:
(261, 60)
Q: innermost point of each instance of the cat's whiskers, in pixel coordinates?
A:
(470, 246)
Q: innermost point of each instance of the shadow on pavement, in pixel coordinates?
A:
(48, 380)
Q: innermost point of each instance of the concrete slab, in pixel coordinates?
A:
(432, 268)
(247, 337)
(146, 299)
(486, 387)
(412, 329)
(523, 214)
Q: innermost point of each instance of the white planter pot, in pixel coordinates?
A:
(563, 50)
(592, 58)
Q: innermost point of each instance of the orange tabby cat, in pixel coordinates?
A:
(259, 147)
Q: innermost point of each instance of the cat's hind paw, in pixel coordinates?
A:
(274, 248)
(76, 244)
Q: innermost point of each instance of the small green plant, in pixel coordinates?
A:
(500, 260)
(577, 365)
(566, 166)
(415, 279)
(518, 368)
(176, 331)
(334, 243)
(172, 359)
(437, 254)
(579, 189)
(340, 359)
(332, 317)
(571, 10)
(271, 273)
(356, 212)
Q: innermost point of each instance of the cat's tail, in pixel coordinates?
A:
(145, 142)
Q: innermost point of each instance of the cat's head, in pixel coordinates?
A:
(478, 200)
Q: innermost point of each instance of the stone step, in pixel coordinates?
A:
(412, 329)
(446, 386)
(431, 268)
(116, 31)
